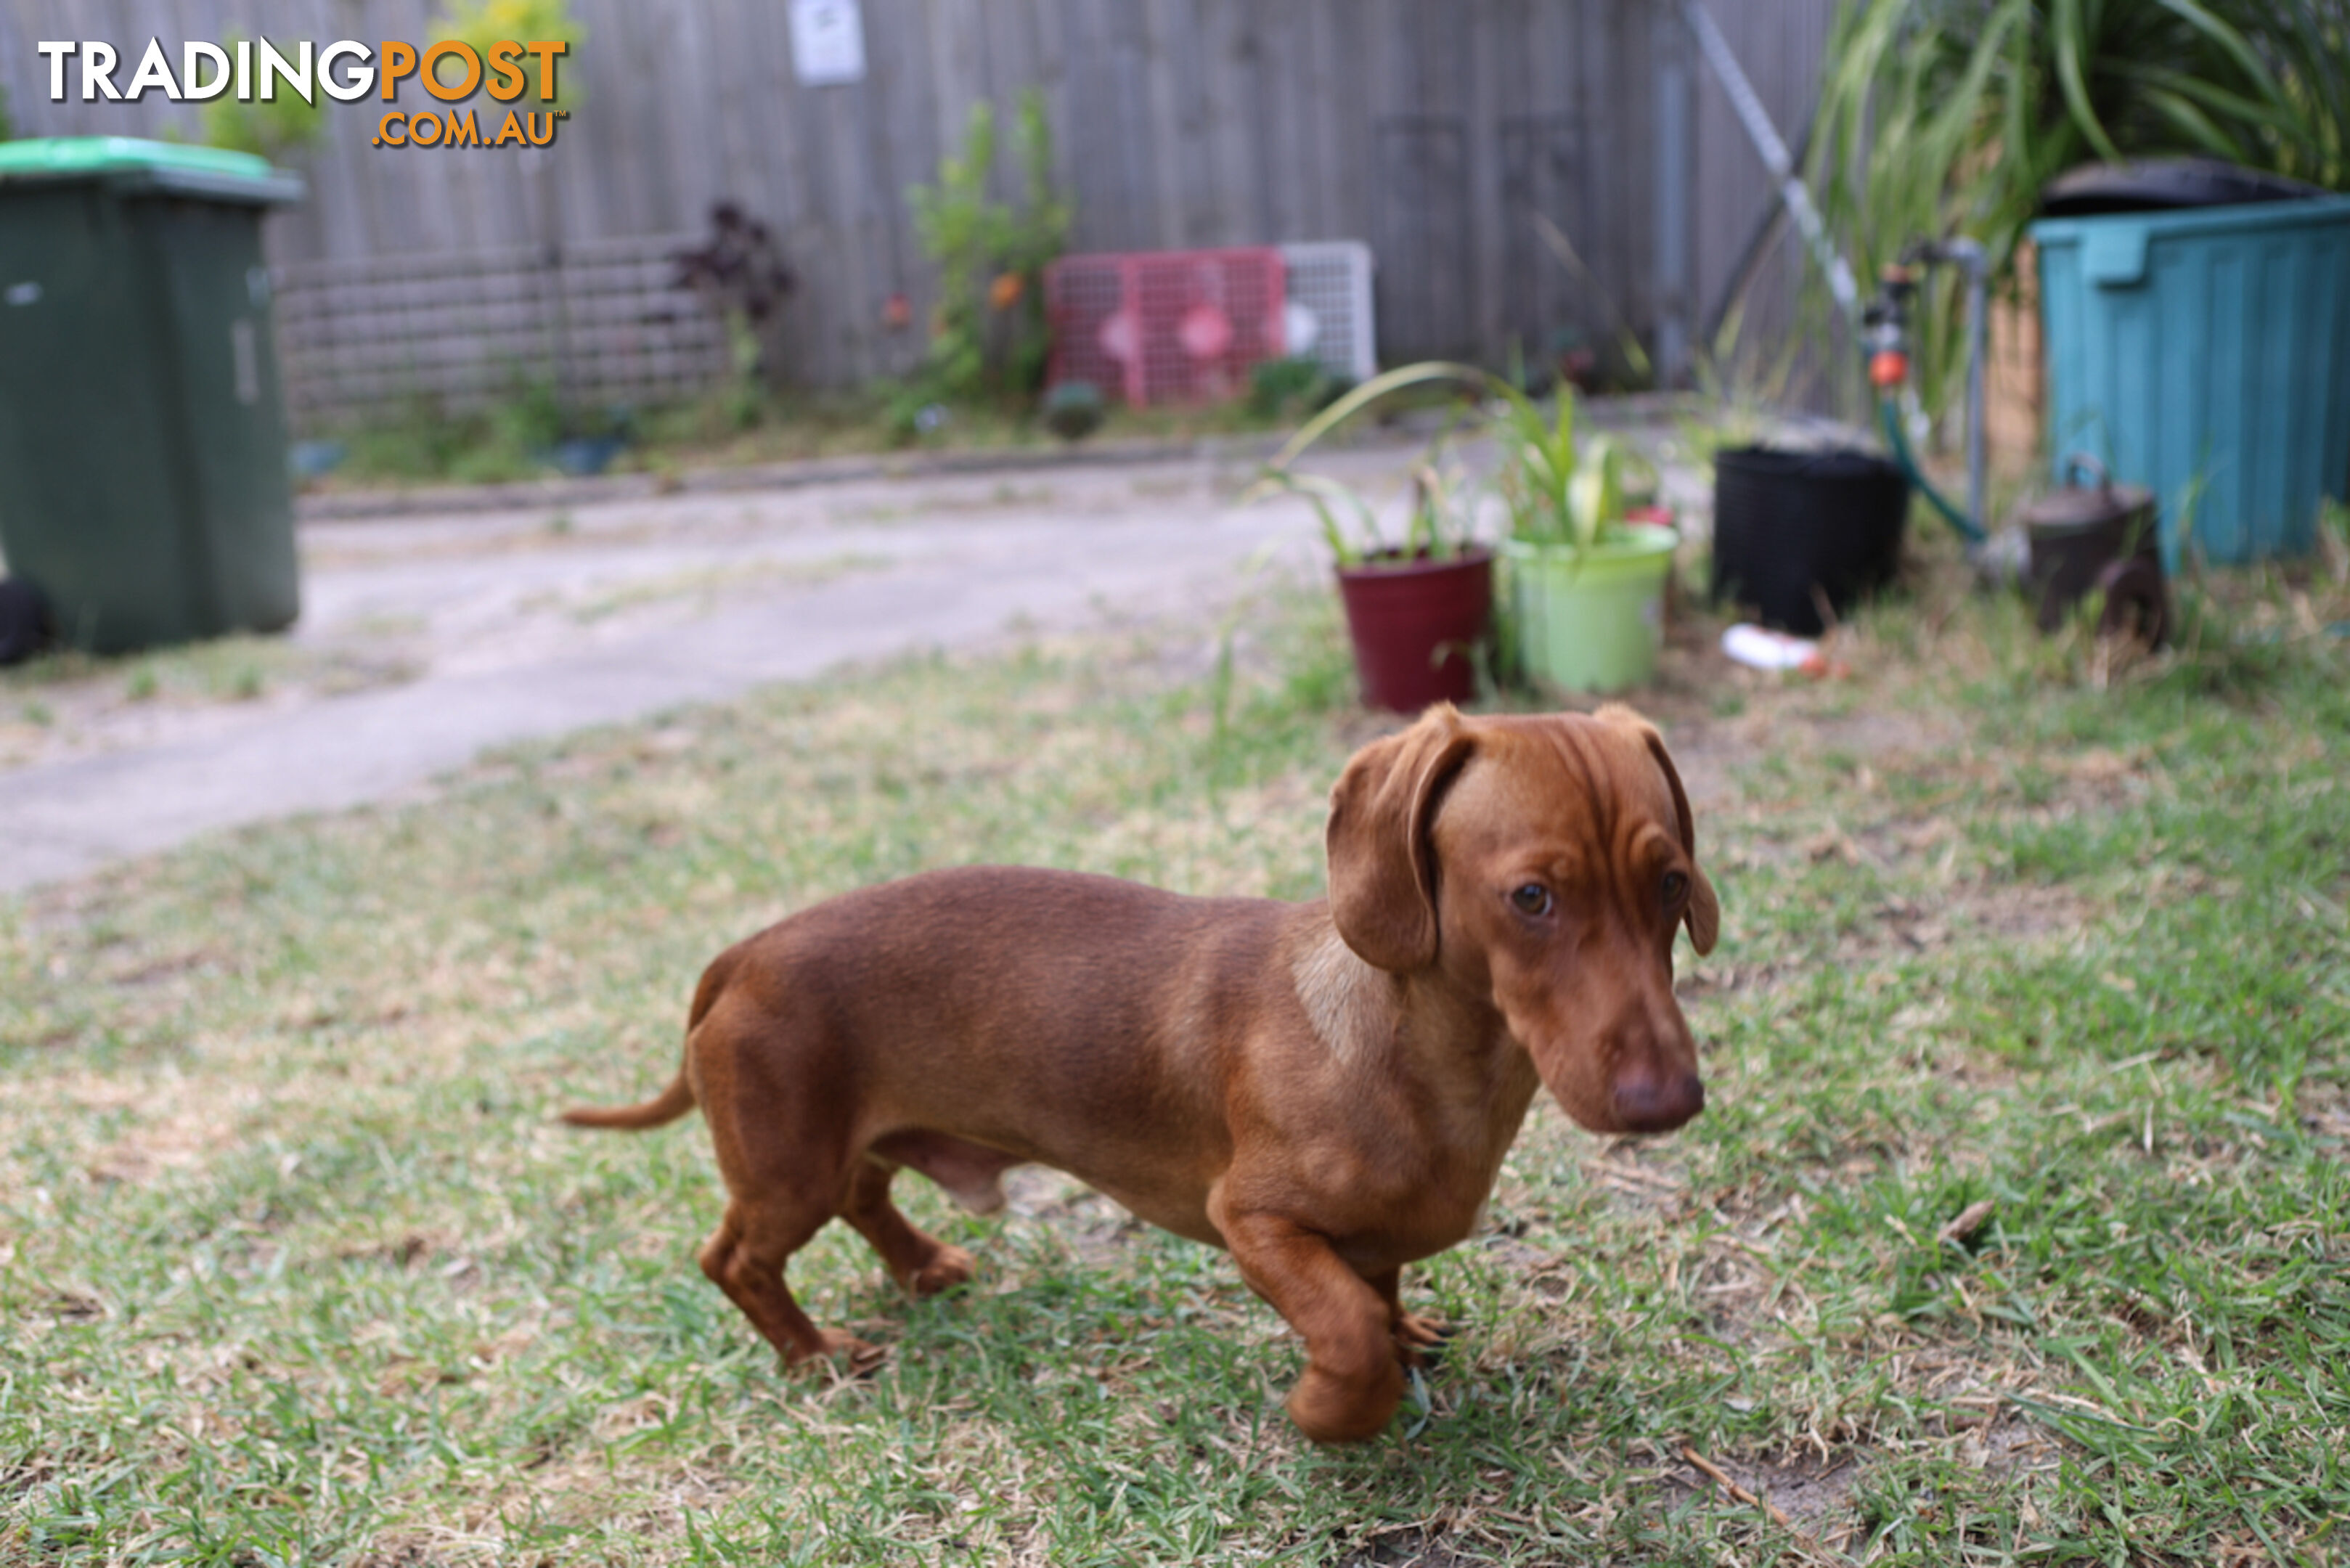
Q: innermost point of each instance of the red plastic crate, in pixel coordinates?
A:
(1164, 326)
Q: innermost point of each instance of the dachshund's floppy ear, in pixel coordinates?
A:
(1704, 914)
(1382, 865)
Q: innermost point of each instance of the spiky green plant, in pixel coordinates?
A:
(1434, 520)
(1555, 491)
(1941, 117)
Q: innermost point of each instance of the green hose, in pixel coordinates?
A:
(1890, 418)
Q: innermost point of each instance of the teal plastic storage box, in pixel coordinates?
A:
(144, 491)
(2206, 354)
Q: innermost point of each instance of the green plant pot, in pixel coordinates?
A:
(1594, 620)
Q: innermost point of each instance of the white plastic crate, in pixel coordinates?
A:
(1326, 309)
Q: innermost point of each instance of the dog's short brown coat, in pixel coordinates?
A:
(1326, 1089)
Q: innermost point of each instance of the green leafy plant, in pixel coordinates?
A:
(274, 128)
(514, 437)
(1560, 490)
(1545, 484)
(1437, 528)
(912, 412)
(482, 22)
(1940, 117)
(532, 417)
(1327, 496)
(988, 332)
(1742, 380)
(1443, 504)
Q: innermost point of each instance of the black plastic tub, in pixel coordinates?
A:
(1794, 528)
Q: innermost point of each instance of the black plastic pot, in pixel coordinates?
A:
(1793, 529)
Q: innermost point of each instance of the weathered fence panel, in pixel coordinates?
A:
(1435, 129)
(1742, 238)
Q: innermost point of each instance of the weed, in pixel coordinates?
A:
(276, 128)
(1293, 389)
(989, 335)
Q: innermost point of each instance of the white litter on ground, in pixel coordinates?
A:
(1758, 648)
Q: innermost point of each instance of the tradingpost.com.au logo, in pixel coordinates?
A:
(345, 71)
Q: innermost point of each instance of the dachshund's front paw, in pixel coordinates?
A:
(1329, 1408)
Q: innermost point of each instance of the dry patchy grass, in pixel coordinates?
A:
(2014, 1230)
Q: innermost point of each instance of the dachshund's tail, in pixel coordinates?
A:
(670, 1103)
(678, 1099)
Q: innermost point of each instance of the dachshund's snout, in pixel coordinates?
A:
(1656, 1098)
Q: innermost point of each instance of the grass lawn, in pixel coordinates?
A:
(2017, 1228)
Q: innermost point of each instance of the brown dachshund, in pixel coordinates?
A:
(1325, 1089)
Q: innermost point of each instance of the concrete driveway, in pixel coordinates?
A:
(426, 639)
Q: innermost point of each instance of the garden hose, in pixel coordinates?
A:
(1886, 338)
(1888, 415)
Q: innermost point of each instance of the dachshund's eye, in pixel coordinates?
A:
(1676, 889)
(1534, 898)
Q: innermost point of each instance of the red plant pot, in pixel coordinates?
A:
(1416, 625)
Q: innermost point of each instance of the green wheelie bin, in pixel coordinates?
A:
(143, 489)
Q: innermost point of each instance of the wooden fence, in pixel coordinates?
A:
(1435, 129)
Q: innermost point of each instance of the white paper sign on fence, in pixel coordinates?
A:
(828, 42)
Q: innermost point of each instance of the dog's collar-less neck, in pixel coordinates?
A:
(1352, 1005)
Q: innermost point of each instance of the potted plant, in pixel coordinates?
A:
(1418, 611)
(1587, 570)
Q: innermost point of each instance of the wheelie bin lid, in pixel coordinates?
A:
(137, 166)
(2164, 184)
